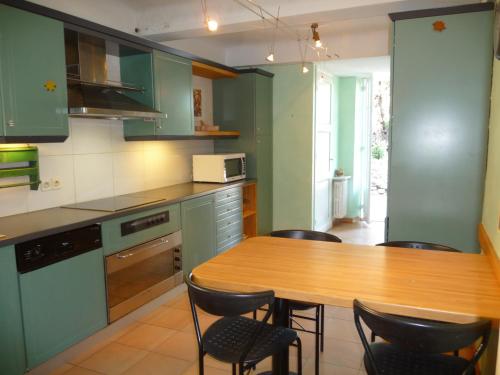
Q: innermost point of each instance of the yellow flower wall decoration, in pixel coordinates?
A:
(50, 86)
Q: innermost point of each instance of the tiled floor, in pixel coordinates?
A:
(360, 232)
(163, 342)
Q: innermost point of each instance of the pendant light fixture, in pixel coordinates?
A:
(315, 35)
(270, 56)
(211, 23)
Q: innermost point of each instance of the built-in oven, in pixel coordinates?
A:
(141, 273)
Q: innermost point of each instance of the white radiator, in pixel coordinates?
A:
(340, 194)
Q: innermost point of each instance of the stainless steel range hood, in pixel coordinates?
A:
(90, 93)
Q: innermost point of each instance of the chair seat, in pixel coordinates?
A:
(299, 305)
(392, 360)
(226, 338)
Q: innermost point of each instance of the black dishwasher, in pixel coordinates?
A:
(63, 296)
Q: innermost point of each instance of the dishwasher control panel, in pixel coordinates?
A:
(145, 222)
(43, 251)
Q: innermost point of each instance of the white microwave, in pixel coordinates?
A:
(219, 168)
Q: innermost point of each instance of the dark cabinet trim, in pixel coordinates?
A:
(33, 139)
(83, 25)
(469, 8)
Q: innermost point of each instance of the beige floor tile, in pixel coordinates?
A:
(342, 353)
(169, 317)
(146, 336)
(157, 364)
(328, 369)
(180, 302)
(180, 345)
(212, 362)
(113, 359)
(344, 313)
(75, 370)
(341, 329)
(62, 369)
(193, 370)
(204, 321)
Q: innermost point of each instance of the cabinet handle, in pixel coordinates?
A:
(11, 123)
(158, 126)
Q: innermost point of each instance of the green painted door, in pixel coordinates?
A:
(62, 304)
(198, 231)
(32, 75)
(173, 94)
(264, 184)
(441, 87)
(12, 355)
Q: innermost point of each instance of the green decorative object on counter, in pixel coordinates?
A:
(29, 157)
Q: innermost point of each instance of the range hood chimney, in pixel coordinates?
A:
(90, 93)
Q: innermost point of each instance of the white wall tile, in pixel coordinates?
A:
(118, 143)
(90, 136)
(93, 176)
(60, 167)
(13, 200)
(128, 171)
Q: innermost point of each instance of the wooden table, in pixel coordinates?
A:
(444, 286)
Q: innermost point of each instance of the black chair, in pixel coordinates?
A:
(319, 318)
(233, 338)
(419, 245)
(416, 346)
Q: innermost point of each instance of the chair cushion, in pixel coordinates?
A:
(392, 360)
(299, 305)
(226, 339)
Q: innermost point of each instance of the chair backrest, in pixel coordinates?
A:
(305, 235)
(420, 335)
(419, 245)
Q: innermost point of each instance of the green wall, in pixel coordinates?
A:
(347, 139)
(293, 119)
(491, 206)
(335, 123)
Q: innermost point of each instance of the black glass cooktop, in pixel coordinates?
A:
(114, 203)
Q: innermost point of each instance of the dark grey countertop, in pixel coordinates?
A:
(30, 225)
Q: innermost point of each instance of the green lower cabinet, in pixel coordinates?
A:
(62, 304)
(198, 231)
(32, 77)
(12, 354)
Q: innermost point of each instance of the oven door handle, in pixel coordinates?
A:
(124, 256)
(149, 247)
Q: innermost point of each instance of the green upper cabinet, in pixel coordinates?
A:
(172, 95)
(32, 78)
(245, 104)
(198, 231)
(12, 354)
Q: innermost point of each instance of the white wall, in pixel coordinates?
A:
(96, 162)
(203, 47)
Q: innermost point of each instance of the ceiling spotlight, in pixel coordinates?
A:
(316, 38)
(212, 24)
(304, 69)
(270, 57)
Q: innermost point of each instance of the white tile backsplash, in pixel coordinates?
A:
(96, 162)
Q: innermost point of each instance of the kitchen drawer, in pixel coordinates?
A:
(113, 241)
(225, 223)
(230, 239)
(226, 196)
(229, 232)
(227, 245)
(228, 209)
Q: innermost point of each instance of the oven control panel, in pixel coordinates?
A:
(145, 222)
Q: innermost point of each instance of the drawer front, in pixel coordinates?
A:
(227, 245)
(226, 196)
(231, 231)
(226, 222)
(228, 209)
(113, 240)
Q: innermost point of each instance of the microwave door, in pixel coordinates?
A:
(233, 168)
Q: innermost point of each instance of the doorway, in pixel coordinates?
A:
(357, 136)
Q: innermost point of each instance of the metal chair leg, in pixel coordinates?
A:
(316, 348)
(233, 368)
(299, 356)
(322, 312)
(255, 315)
(373, 336)
(242, 369)
(200, 362)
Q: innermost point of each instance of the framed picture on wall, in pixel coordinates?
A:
(197, 102)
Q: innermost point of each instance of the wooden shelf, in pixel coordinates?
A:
(217, 134)
(212, 72)
(249, 213)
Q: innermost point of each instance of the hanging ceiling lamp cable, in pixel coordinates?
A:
(211, 23)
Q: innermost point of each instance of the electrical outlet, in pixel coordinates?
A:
(55, 183)
(45, 186)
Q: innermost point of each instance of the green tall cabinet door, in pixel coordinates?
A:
(440, 107)
(198, 231)
(245, 104)
(32, 77)
(12, 356)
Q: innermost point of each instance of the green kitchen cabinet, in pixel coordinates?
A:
(245, 104)
(12, 354)
(440, 107)
(198, 231)
(173, 95)
(62, 304)
(33, 96)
